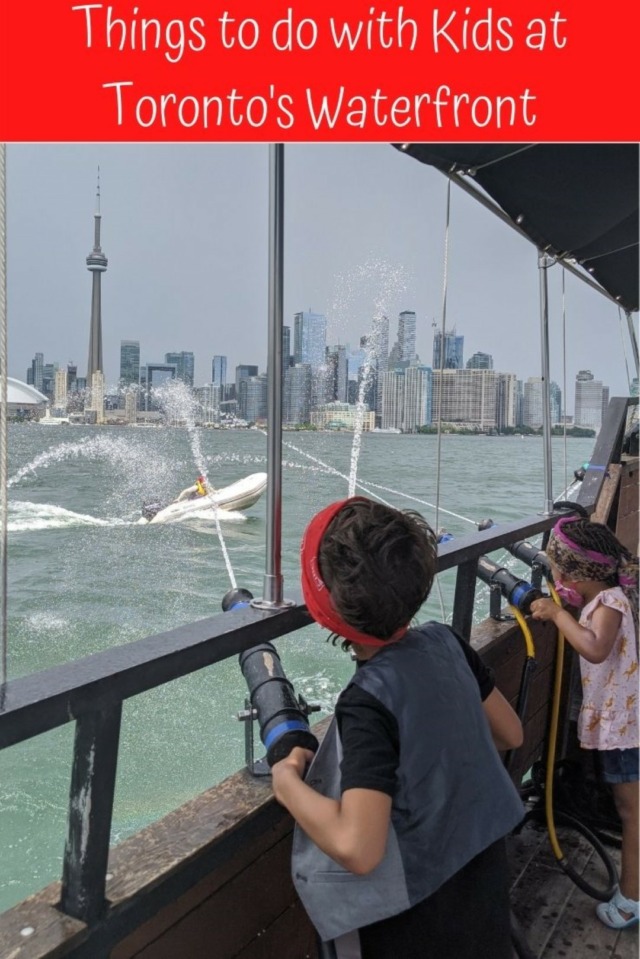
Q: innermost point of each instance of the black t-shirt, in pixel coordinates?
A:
(369, 732)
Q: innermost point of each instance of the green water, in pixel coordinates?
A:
(84, 576)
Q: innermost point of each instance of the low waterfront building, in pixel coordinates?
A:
(342, 416)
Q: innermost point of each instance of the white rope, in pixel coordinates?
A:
(3, 418)
(445, 280)
(564, 381)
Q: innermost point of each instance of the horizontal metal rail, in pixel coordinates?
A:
(90, 691)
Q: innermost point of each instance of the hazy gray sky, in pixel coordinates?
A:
(185, 230)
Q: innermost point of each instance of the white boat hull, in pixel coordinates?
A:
(238, 496)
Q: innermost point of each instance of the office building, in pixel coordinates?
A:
(480, 361)
(592, 397)
(532, 403)
(337, 374)
(219, 372)
(286, 347)
(153, 376)
(35, 371)
(506, 401)
(418, 386)
(184, 364)
(407, 336)
(60, 390)
(451, 358)
(252, 401)
(466, 397)
(48, 379)
(129, 364)
(309, 338)
(342, 416)
(243, 372)
(297, 394)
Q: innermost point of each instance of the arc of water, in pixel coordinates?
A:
(178, 403)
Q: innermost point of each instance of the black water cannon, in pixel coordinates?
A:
(236, 598)
(534, 557)
(501, 581)
(281, 716)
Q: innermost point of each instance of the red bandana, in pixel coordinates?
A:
(316, 595)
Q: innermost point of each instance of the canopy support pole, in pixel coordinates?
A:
(544, 262)
(273, 582)
(632, 337)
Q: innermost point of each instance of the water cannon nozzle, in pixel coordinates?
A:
(236, 598)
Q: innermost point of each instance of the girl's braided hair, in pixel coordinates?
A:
(597, 538)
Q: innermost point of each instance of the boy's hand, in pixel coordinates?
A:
(544, 609)
(292, 765)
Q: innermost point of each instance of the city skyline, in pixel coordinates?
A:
(188, 271)
(333, 375)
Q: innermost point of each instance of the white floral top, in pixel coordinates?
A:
(609, 714)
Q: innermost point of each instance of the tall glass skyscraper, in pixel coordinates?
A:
(407, 336)
(453, 351)
(184, 364)
(129, 363)
(219, 371)
(309, 338)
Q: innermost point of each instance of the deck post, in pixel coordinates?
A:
(273, 583)
(544, 262)
(464, 598)
(632, 337)
(93, 781)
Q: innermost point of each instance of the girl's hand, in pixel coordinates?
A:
(544, 609)
(292, 765)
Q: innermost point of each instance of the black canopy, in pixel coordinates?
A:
(572, 200)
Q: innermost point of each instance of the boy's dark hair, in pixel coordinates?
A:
(378, 564)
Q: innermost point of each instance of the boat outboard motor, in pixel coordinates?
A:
(149, 510)
(281, 717)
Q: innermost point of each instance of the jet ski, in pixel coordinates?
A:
(238, 496)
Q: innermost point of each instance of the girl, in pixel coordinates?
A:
(594, 572)
(399, 847)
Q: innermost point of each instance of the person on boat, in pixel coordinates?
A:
(595, 573)
(399, 845)
(199, 488)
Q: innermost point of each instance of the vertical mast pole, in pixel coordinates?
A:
(632, 337)
(273, 583)
(3, 423)
(544, 262)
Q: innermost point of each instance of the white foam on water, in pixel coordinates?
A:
(47, 622)
(30, 517)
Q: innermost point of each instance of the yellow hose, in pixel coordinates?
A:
(526, 632)
(555, 713)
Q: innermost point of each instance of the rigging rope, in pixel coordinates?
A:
(564, 381)
(445, 280)
(3, 419)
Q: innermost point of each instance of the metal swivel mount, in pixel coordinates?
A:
(249, 716)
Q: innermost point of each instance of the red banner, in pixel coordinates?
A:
(230, 70)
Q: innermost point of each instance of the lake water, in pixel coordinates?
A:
(84, 576)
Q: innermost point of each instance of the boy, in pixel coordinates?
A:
(399, 845)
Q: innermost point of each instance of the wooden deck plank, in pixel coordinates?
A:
(557, 918)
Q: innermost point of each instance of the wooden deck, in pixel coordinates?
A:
(557, 918)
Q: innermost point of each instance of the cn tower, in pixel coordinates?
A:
(97, 265)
